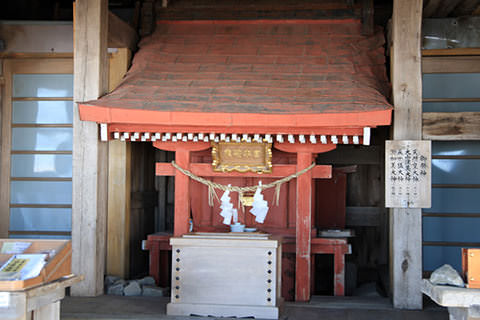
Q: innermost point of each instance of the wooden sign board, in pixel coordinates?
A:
(408, 174)
(242, 156)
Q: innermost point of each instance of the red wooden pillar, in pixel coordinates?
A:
(182, 194)
(154, 253)
(303, 228)
(339, 272)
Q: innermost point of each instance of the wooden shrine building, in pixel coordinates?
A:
(299, 87)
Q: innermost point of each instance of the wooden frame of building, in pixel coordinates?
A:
(406, 224)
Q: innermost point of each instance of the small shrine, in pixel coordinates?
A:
(246, 106)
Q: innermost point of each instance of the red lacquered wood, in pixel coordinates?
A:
(303, 228)
(264, 129)
(292, 204)
(337, 246)
(174, 146)
(304, 147)
(182, 194)
(330, 201)
(154, 256)
(339, 273)
(278, 171)
(158, 245)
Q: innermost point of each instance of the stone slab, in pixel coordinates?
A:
(191, 309)
(451, 296)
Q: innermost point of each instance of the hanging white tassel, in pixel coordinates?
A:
(227, 207)
(259, 205)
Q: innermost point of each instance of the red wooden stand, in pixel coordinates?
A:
(158, 245)
(292, 217)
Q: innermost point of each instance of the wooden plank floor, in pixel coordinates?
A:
(325, 308)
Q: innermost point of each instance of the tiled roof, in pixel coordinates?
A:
(248, 70)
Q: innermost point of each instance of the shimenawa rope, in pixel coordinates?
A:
(241, 190)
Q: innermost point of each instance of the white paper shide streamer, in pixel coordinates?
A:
(259, 205)
(227, 208)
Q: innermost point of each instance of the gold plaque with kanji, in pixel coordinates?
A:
(242, 156)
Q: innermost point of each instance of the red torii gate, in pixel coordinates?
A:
(305, 154)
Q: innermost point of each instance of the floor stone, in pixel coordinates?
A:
(325, 308)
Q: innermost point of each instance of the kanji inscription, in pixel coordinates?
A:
(408, 174)
(242, 156)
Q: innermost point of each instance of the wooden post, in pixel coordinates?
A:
(182, 194)
(118, 227)
(119, 183)
(89, 203)
(406, 224)
(5, 148)
(303, 228)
